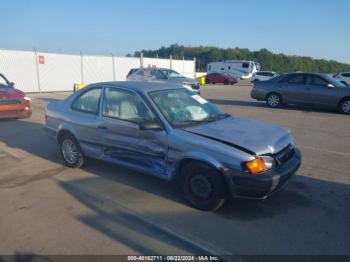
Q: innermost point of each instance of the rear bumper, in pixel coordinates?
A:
(23, 110)
(267, 183)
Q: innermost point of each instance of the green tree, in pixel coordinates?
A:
(267, 59)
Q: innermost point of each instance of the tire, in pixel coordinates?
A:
(207, 81)
(344, 106)
(225, 82)
(71, 152)
(273, 100)
(203, 187)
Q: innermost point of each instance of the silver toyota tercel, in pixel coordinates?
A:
(170, 132)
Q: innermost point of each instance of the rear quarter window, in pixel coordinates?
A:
(88, 102)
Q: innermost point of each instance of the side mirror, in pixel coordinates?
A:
(330, 86)
(150, 125)
(12, 84)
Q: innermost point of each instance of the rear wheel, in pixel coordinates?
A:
(71, 152)
(273, 100)
(203, 186)
(344, 106)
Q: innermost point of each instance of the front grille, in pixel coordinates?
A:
(4, 102)
(285, 154)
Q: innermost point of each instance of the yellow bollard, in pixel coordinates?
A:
(202, 80)
(78, 86)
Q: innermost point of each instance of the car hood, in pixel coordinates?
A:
(248, 135)
(10, 92)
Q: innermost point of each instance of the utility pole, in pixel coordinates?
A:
(37, 69)
(81, 67)
(113, 66)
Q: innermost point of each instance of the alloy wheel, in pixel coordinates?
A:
(346, 107)
(273, 100)
(69, 151)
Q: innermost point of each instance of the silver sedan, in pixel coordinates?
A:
(168, 131)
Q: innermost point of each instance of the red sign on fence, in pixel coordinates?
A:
(41, 59)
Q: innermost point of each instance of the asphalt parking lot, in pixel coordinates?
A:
(47, 208)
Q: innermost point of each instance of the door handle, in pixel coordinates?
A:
(102, 127)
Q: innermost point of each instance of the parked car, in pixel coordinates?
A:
(168, 131)
(308, 89)
(165, 75)
(13, 102)
(263, 76)
(343, 77)
(132, 70)
(214, 78)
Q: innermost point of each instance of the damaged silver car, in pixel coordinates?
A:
(168, 131)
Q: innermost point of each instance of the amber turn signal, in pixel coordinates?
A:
(256, 166)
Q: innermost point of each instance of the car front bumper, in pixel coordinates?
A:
(23, 110)
(263, 185)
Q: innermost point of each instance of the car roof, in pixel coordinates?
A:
(306, 73)
(141, 86)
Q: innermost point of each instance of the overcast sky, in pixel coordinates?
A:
(316, 28)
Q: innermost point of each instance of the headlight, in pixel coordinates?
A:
(269, 162)
(260, 164)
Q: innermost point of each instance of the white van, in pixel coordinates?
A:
(238, 68)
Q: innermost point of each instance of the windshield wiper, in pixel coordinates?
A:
(215, 117)
(206, 119)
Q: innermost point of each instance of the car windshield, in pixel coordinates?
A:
(182, 107)
(4, 83)
(172, 74)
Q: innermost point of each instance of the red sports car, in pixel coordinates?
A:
(13, 102)
(214, 78)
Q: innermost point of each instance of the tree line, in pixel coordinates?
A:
(267, 59)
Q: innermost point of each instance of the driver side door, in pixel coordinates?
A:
(318, 93)
(124, 142)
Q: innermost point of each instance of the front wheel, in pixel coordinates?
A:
(273, 100)
(345, 106)
(203, 186)
(71, 152)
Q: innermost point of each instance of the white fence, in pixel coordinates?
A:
(33, 71)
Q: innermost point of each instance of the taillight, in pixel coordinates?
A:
(254, 84)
